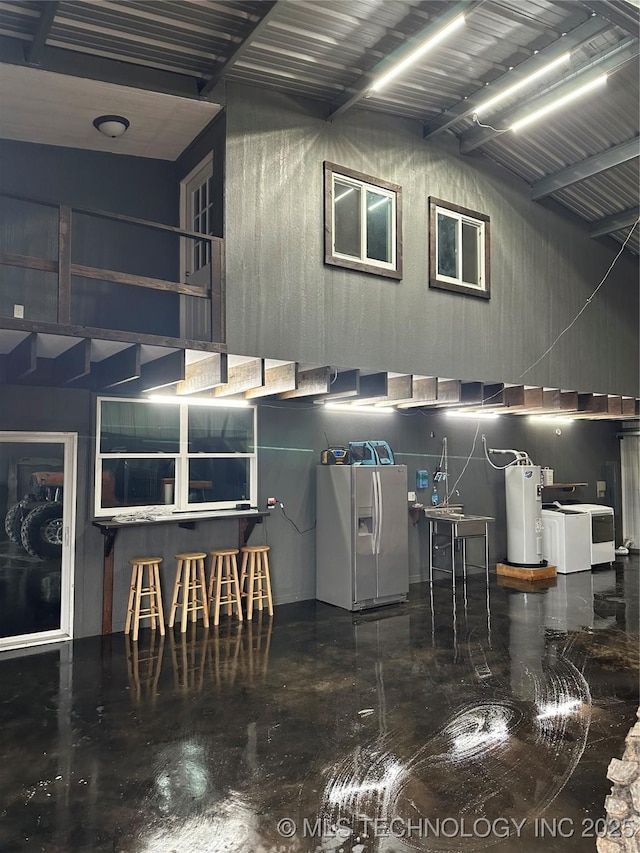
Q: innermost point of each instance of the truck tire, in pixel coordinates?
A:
(13, 522)
(41, 531)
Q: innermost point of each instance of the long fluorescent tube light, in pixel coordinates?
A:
(420, 51)
(506, 93)
(554, 105)
(356, 409)
(199, 401)
(484, 416)
(550, 419)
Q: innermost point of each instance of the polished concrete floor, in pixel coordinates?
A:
(483, 721)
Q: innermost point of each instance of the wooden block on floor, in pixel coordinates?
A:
(525, 574)
(527, 586)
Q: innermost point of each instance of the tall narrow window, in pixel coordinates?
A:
(459, 249)
(197, 215)
(362, 222)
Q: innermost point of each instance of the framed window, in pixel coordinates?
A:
(181, 455)
(363, 222)
(459, 257)
(197, 214)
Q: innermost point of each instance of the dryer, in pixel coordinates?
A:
(602, 536)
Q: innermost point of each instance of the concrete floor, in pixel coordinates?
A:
(484, 722)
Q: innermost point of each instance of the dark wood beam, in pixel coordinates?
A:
(425, 392)
(167, 370)
(64, 264)
(74, 363)
(345, 383)
(34, 51)
(267, 9)
(118, 369)
(23, 359)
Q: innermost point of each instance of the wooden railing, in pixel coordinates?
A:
(65, 269)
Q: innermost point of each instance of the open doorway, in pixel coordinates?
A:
(37, 506)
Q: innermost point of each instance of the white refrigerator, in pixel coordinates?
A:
(362, 551)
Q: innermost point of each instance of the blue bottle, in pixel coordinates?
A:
(435, 497)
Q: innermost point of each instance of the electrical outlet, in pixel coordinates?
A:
(18, 312)
(411, 497)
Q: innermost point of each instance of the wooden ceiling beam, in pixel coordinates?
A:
(310, 383)
(23, 359)
(74, 363)
(277, 380)
(242, 377)
(118, 369)
(204, 375)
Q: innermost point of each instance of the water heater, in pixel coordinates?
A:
(523, 485)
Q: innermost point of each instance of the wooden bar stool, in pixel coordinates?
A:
(224, 573)
(138, 591)
(191, 581)
(255, 572)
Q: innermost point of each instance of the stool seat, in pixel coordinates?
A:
(255, 573)
(189, 589)
(224, 587)
(151, 591)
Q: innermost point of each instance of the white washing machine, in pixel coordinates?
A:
(566, 540)
(602, 535)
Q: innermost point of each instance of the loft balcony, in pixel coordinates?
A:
(92, 274)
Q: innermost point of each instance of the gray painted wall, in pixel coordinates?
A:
(291, 437)
(284, 303)
(134, 186)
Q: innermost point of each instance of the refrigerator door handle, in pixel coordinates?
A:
(374, 532)
(377, 491)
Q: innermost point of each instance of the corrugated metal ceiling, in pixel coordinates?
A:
(323, 50)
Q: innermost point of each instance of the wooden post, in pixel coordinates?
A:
(64, 265)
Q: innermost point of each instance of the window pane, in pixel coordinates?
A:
(212, 480)
(447, 246)
(378, 227)
(213, 430)
(130, 427)
(137, 482)
(346, 209)
(470, 238)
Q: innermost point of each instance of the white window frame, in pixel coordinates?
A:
(181, 459)
(460, 215)
(392, 269)
(186, 243)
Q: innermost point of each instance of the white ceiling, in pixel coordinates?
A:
(57, 109)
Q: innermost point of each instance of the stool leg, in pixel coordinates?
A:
(229, 581)
(186, 595)
(136, 616)
(216, 605)
(252, 569)
(267, 576)
(176, 592)
(151, 595)
(212, 578)
(236, 585)
(158, 597)
(243, 572)
(202, 590)
(132, 592)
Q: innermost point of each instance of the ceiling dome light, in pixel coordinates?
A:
(112, 126)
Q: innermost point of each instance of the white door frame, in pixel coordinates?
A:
(69, 440)
(185, 224)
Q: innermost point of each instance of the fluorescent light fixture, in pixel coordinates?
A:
(550, 419)
(560, 102)
(199, 401)
(416, 54)
(354, 408)
(506, 93)
(483, 416)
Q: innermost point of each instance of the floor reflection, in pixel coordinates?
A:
(318, 728)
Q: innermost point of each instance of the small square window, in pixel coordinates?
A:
(363, 222)
(459, 257)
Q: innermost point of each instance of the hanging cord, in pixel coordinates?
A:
(495, 129)
(586, 304)
(466, 464)
(294, 525)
